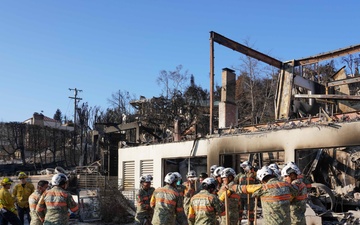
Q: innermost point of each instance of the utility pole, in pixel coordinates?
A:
(76, 100)
(211, 126)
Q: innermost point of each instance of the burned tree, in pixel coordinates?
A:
(172, 82)
(13, 140)
(255, 91)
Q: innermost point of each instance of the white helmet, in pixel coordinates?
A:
(178, 175)
(228, 172)
(218, 170)
(274, 167)
(212, 168)
(296, 168)
(146, 178)
(290, 168)
(263, 172)
(59, 179)
(209, 183)
(170, 178)
(191, 173)
(246, 165)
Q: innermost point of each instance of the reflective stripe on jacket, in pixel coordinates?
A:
(298, 204)
(143, 209)
(234, 204)
(33, 201)
(56, 202)
(204, 207)
(247, 179)
(168, 205)
(275, 198)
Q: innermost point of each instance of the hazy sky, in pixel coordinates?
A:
(100, 47)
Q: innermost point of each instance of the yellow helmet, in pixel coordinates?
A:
(6, 181)
(22, 175)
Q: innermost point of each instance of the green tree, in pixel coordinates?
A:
(196, 108)
(58, 116)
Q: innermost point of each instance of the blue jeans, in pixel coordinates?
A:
(22, 212)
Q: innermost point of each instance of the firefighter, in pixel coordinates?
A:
(247, 201)
(54, 205)
(191, 187)
(8, 211)
(144, 212)
(217, 175)
(179, 187)
(301, 177)
(167, 203)
(204, 206)
(275, 197)
(21, 192)
(298, 205)
(239, 175)
(34, 199)
(202, 177)
(248, 170)
(212, 169)
(227, 176)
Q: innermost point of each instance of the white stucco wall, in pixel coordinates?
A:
(289, 140)
(157, 153)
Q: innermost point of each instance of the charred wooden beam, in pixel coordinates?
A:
(339, 97)
(120, 127)
(284, 91)
(343, 81)
(328, 55)
(245, 50)
(313, 86)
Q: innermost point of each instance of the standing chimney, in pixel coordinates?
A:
(228, 113)
(38, 119)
